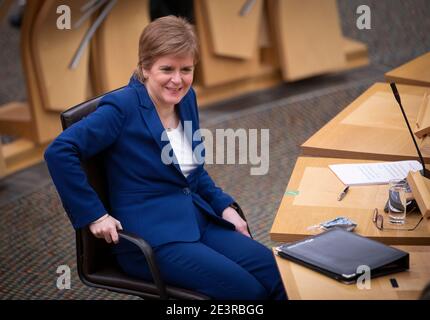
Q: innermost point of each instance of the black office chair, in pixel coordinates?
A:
(97, 267)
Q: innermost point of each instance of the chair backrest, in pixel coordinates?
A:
(91, 253)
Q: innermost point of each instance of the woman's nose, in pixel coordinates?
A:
(176, 78)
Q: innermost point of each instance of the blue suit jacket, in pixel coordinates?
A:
(148, 197)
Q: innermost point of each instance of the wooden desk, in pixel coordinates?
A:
(311, 198)
(303, 283)
(223, 17)
(122, 27)
(2, 162)
(415, 72)
(309, 37)
(52, 50)
(372, 127)
(217, 70)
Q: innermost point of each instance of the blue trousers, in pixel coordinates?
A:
(223, 264)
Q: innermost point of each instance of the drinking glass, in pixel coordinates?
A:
(397, 201)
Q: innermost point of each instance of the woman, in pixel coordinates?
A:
(200, 241)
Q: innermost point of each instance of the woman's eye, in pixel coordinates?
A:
(170, 70)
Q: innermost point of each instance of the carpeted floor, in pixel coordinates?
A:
(35, 239)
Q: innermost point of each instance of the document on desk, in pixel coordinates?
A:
(373, 173)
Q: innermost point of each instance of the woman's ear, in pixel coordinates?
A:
(144, 73)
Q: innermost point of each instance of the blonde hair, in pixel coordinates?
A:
(165, 36)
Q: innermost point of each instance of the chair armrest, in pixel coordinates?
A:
(150, 259)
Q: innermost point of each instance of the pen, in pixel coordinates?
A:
(343, 193)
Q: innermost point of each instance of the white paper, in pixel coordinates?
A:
(374, 173)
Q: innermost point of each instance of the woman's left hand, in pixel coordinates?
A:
(233, 217)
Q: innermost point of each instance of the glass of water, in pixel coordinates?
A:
(397, 201)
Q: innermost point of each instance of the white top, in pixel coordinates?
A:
(182, 148)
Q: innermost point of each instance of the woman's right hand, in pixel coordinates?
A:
(106, 227)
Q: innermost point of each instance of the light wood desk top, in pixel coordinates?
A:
(302, 283)
(372, 127)
(311, 198)
(415, 72)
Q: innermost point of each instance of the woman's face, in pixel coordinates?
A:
(169, 79)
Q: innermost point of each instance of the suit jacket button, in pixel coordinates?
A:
(186, 191)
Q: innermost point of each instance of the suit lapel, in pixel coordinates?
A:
(156, 128)
(153, 122)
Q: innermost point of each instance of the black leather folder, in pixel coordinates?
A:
(338, 253)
